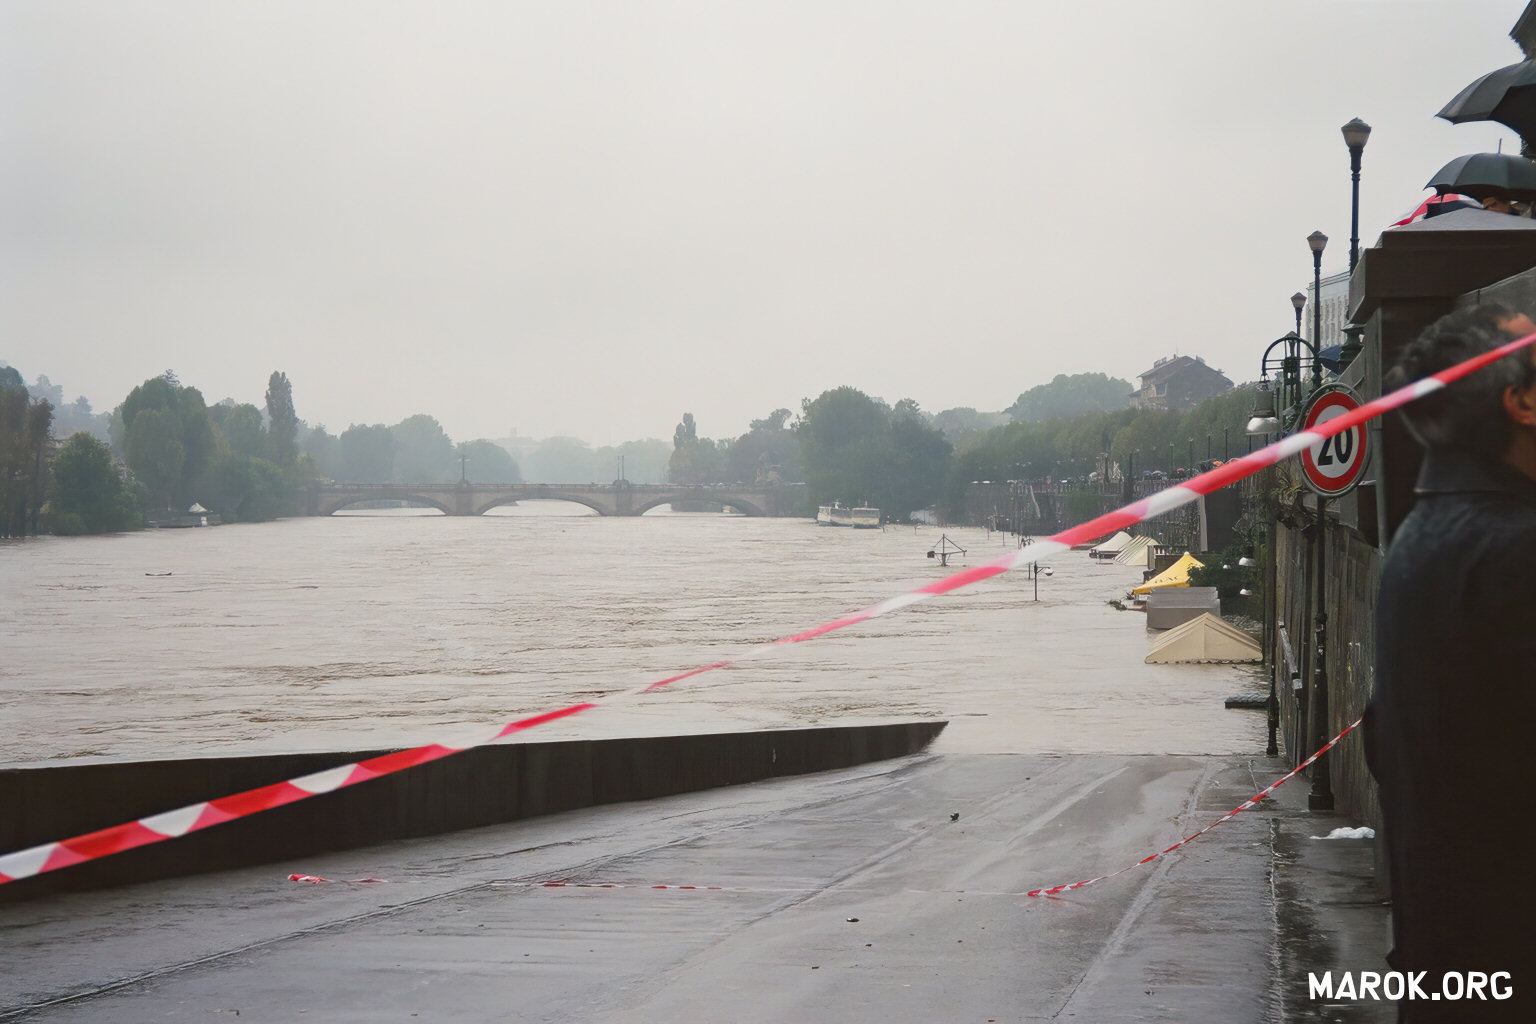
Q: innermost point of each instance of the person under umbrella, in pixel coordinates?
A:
(1502, 182)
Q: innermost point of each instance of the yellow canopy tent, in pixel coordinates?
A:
(1176, 575)
(1204, 639)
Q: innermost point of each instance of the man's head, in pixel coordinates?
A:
(1483, 412)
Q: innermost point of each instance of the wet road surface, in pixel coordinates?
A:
(850, 895)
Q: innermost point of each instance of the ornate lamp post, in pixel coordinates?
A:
(1355, 135)
(1321, 797)
(1356, 132)
(1316, 241)
(1298, 303)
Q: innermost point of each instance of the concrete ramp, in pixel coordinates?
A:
(481, 786)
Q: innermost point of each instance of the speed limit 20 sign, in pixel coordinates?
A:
(1336, 464)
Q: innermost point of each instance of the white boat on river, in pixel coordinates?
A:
(864, 517)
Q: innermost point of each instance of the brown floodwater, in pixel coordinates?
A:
(366, 631)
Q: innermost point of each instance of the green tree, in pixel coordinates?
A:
(845, 445)
(1224, 571)
(694, 460)
(773, 422)
(488, 462)
(686, 432)
(1071, 396)
(196, 439)
(423, 452)
(156, 393)
(243, 488)
(920, 460)
(324, 451)
(244, 431)
(25, 425)
(965, 421)
(156, 455)
(768, 453)
(89, 495)
(560, 460)
(855, 449)
(367, 454)
(283, 422)
(645, 462)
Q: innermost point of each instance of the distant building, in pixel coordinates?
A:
(1335, 310)
(1179, 382)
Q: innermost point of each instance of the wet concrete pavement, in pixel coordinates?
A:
(845, 896)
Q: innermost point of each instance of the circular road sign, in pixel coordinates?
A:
(1336, 465)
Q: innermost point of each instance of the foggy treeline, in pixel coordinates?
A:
(163, 449)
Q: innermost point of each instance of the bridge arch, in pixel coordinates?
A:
(735, 501)
(347, 501)
(540, 494)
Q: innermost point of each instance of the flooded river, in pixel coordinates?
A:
(366, 631)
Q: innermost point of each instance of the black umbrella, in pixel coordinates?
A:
(1481, 175)
(1507, 96)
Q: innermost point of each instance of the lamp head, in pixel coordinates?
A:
(1355, 134)
(1316, 241)
(1298, 302)
(1265, 419)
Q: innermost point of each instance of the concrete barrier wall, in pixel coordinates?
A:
(483, 786)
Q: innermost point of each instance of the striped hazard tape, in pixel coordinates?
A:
(1234, 812)
(194, 817)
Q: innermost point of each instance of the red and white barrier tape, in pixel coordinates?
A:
(1234, 812)
(194, 817)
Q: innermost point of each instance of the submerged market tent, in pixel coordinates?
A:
(1204, 639)
(1111, 547)
(1176, 575)
(1136, 551)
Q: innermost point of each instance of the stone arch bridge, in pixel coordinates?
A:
(617, 499)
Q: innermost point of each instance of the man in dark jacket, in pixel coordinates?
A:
(1451, 731)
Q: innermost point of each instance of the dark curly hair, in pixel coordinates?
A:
(1469, 414)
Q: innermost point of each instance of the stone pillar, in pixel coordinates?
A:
(463, 499)
(1414, 275)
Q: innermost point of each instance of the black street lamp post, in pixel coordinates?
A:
(1316, 241)
(1356, 132)
(1321, 797)
(1355, 135)
(1298, 303)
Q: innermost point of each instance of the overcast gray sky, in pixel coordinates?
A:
(586, 218)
